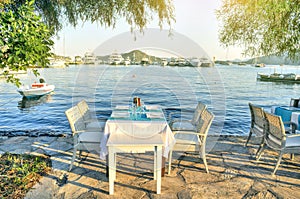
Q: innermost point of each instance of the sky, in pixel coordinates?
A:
(195, 19)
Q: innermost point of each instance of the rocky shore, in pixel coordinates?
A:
(234, 173)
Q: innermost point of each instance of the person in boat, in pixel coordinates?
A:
(42, 80)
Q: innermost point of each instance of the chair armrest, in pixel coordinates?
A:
(294, 125)
(185, 132)
(293, 135)
(178, 120)
(88, 130)
(94, 119)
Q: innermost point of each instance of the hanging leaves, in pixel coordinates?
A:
(261, 27)
(26, 40)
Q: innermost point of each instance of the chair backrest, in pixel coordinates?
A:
(75, 119)
(198, 111)
(294, 102)
(257, 116)
(275, 136)
(84, 109)
(204, 123)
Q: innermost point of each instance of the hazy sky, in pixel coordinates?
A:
(194, 18)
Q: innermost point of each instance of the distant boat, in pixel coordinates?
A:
(180, 61)
(206, 62)
(115, 59)
(55, 63)
(78, 60)
(89, 58)
(36, 89)
(127, 61)
(201, 62)
(145, 61)
(279, 77)
(195, 62)
(261, 65)
(164, 62)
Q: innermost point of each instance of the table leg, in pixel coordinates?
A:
(163, 166)
(158, 168)
(155, 162)
(111, 168)
(107, 166)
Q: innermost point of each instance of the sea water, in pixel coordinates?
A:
(226, 90)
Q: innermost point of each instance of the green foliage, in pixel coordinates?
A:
(19, 173)
(26, 40)
(261, 27)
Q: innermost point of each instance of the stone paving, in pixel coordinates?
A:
(234, 173)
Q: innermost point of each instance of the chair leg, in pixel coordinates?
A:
(292, 156)
(204, 158)
(261, 145)
(278, 162)
(170, 162)
(80, 153)
(250, 134)
(259, 151)
(73, 158)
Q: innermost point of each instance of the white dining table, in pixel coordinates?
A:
(127, 131)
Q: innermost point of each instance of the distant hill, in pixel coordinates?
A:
(273, 60)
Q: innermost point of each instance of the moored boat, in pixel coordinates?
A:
(89, 58)
(57, 63)
(205, 62)
(261, 65)
(36, 89)
(115, 59)
(164, 62)
(195, 62)
(145, 61)
(279, 77)
(127, 61)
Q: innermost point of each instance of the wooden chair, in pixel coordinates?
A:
(257, 122)
(275, 138)
(184, 124)
(193, 140)
(85, 139)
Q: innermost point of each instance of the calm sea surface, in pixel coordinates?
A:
(225, 89)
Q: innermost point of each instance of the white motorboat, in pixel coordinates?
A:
(145, 61)
(202, 62)
(115, 59)
(195, 62)
(36, 89)
(205, 62)
(89, 58)
(164, 62)
(57, 63)
(127, 61)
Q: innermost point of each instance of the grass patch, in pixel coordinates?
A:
(19, 172)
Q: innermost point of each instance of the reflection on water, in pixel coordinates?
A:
(27, 103)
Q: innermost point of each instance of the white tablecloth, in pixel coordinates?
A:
(295, 119)
(142, 129)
